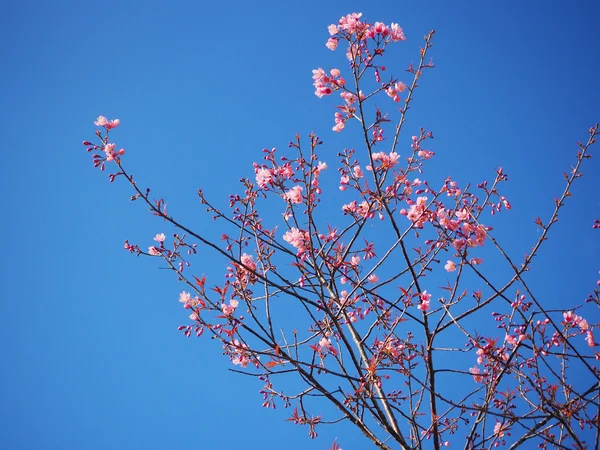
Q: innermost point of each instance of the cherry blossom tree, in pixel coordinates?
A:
(401, 321)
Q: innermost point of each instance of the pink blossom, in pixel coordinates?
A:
(373, 278)
(416, 212)
(240, 355)
(332, 44)
(160, 238)
(380, 28)
(476, 374)
(450, 266)
(295, 237)
(109, 150)
(480, 354)
(324, 343)
(499, 429)
(476, 261)
(459, 244)
(358, 173)
(187, 300)
(286, 171)
(355, 261)
(100, 121)
(294, 195)
(349, 207)
(325, 84)
(589, 338)
(462, 214)
(229, 309)
(425, 299)
(351, 23)
(248, 261)
(348, 97)
(425, 154)
(333, 29)
(153, 251)
(396, 32)
(394, 91)
(387, 161)
(264, 177)
(339, 122)
(320, 167)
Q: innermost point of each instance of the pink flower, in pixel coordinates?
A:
(348, 97)
(476, 261)
(589, 338)
(463, 214)
(153, 251)
(476, 374)
(325, 84)
(416, 213)
(450, 266)
(499, 429)
(351, 22)
(355, 261)
(229, 309)
(425, 298)
(294, 195)
(324, 343)
(333, 29)
(387, 161)
(160, 238)
(187, 300)
(263, 177)
(396, 32)
(248, 261)
(332, 44)
(380, 28)
(240, 356)
(339, 122)
(100, 121)
(459, 244)
(320, 167)
(373, 278)
(295, 237)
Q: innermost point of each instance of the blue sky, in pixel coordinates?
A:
(92, 357)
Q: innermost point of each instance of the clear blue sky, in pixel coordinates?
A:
(91, 355)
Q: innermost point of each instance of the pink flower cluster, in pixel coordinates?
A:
(102, 121)
(573, 320)
(266, 177)
(360, 210)
(351, 24)
(325, 84)
(395, 90)
(189, 302)
(228, 310)
(450, 266)
(297, 239)
(425, 301)
(294, 195)
(239, 354)
(476, 372)
(425, 154)
(416, 212)
(387, 160)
